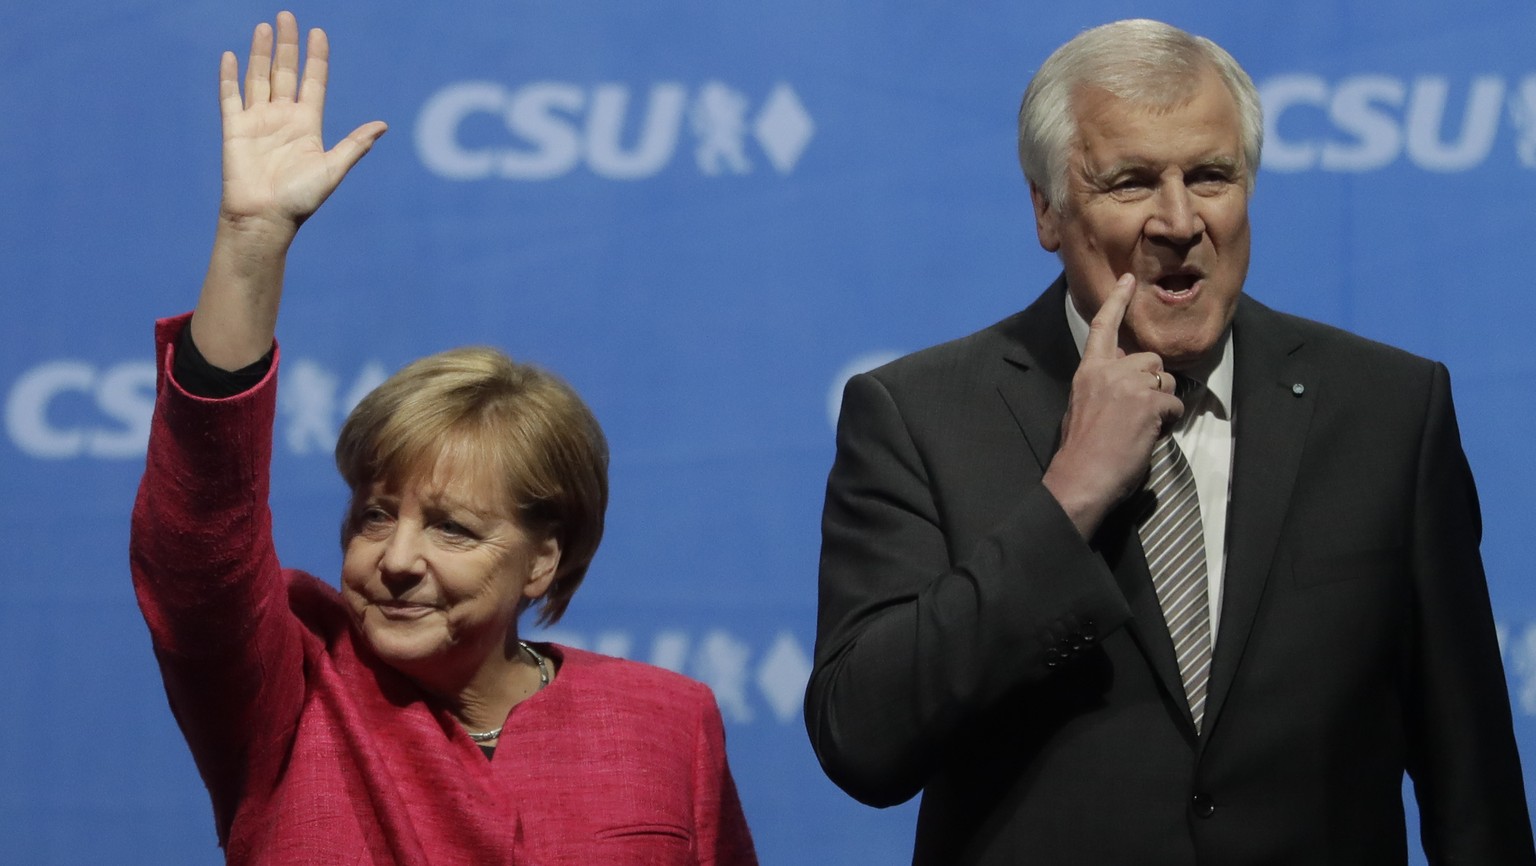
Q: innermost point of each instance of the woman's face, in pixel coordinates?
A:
(434, 572)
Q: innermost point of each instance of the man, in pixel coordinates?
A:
(1229, 659)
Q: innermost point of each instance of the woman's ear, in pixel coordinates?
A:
(542, 571)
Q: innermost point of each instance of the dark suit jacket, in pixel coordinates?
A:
(972, 646)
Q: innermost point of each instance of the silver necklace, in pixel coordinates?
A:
(486, 736)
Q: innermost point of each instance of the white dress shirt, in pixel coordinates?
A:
(1204, 434)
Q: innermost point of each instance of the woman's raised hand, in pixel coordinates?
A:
(276, 167)
(276, 173)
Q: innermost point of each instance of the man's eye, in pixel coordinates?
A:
(1130, 187)
(1210, 178)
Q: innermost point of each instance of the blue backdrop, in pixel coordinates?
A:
(706, 216)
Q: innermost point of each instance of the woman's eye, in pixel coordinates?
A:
(454, 530)
(373, 520)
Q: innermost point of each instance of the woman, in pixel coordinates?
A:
(401, 720)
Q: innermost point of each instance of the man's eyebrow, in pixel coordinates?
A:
(1124, 167)
(1227, 163)
(1232, 165)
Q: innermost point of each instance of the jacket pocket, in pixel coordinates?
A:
(645, 845)
(641, 831)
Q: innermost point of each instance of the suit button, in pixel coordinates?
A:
(1203, 805)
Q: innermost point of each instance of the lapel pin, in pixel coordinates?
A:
(1298, 389)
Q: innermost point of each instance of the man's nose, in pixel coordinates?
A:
(1176, 215)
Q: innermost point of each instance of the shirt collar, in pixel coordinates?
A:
(1217, 376)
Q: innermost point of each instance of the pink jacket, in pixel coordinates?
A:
(313, 751)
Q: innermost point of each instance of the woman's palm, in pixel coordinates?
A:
(275, 162)
(276, 166)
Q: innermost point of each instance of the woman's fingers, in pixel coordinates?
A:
(274, 161)
(285, 61)
(349, 150)
(258, 67)
(272, 72)
(317, 61)
(229, 87)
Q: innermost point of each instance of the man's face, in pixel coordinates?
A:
(1161, 193)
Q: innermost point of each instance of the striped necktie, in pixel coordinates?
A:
(1173, 537)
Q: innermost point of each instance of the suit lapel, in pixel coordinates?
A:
(1274, 392)
(1041, 359)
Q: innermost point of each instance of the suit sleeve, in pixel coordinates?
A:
(916, 638)
(720, 828)
(1462, 753)
(209, 584)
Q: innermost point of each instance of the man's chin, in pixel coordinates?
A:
(1181, 353)
(1182, 341)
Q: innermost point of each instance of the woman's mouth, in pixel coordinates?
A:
(403, 610)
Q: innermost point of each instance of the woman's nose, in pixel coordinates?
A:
(403, 556)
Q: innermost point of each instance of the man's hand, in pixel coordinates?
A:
(1118, 407)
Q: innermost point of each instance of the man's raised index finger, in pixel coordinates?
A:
(1104, 330)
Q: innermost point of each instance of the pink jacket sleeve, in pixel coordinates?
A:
(209, 584)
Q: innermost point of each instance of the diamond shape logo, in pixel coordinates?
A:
(782, 676)
(783, 128)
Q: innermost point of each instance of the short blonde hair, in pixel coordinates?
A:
(521, 421)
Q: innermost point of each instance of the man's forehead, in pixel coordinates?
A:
(1204, 129)
(1174, 97)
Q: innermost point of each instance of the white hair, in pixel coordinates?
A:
(1141, 61)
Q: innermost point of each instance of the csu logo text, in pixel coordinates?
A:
(71, 408)
(1366, 122)
(474, 130)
